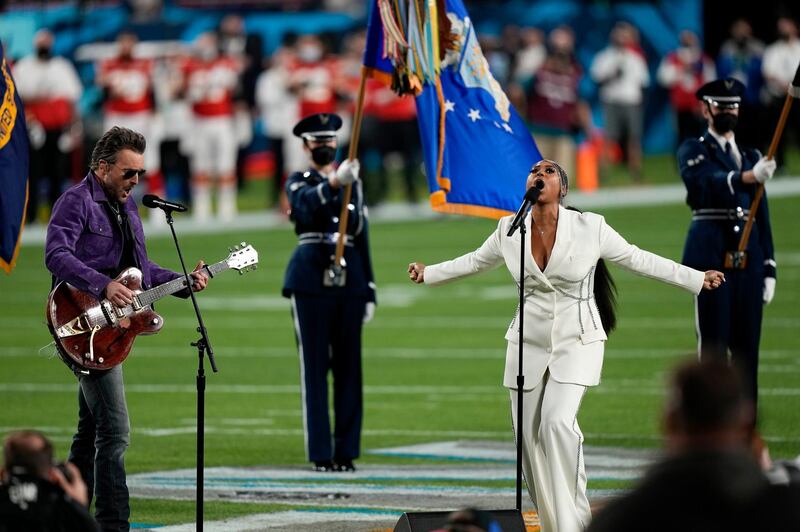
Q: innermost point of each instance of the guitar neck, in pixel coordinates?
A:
(148, 297)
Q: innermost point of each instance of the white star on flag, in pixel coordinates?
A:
(474, 114)
(449, 106)
(496, 124)
(507, 127)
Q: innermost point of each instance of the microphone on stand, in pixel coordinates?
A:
(531, 196)
(154, 202)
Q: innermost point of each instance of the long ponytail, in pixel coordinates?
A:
(605, 293)
(605, 289)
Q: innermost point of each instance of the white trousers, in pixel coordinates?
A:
(552, 454)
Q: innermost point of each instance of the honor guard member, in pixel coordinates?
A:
(328, 315)
(721, 180)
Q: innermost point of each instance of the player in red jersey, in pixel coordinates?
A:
(312, 78)
(210, 80)
(127, 82)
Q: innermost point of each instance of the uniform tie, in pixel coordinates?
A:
(733, 157)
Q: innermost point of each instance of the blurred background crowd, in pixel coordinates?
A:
(217, 86)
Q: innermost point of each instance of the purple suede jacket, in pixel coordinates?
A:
(82, 238)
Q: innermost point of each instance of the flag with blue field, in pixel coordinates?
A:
(478, 150)
(13, 168)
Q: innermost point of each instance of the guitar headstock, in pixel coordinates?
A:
(242, 258)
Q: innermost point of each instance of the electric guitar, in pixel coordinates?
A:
(95, 334)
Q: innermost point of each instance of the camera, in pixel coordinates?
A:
(62, 466)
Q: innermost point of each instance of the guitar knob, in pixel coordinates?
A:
(155, 321)
(100, 360)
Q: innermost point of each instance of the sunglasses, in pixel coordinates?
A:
(129, 173)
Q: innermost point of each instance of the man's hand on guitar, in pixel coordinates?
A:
(199, 277)
(119, 294)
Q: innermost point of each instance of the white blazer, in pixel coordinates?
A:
(563, 331)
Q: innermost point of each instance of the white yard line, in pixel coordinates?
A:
(605, 198)
(401, 353)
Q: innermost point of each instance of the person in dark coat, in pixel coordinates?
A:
(329, 310)
(36, 495)
(709, 480)
(721, 178)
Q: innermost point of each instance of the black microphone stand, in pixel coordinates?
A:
(203, 347)
(520, 376)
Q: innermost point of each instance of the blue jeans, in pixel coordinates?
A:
(98, 447)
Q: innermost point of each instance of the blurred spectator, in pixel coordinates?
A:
(553, 108)
(311, 80)
(781, 60)
(531, 55)
(740, 58)
(621, 71)
(143, 11)
(316, 81)
(497, 56)
(210, 81)
(682, 72)
(176, 118)
(397, 133)
(247, 50)
(35, 494)
(127, 83)
(355, 8)
(50, 88)
(279, 110)
(389, 129)
(708, 479)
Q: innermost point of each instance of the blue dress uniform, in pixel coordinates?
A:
(728, 318)
(328, 319)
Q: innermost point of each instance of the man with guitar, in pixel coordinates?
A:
(95, 233)
(721, 180)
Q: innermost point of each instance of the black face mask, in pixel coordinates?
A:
(725, 122)
(43, 52)
(323, 155)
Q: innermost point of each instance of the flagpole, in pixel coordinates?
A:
(355, 134)
(738, 258)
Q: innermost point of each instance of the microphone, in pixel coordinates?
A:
(154, 202)
(530, 198)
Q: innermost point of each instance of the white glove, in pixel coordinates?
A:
(769, 289)
(348, 172)
(369, 311)
(764, 169)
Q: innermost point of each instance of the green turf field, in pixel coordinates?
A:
(433, 357)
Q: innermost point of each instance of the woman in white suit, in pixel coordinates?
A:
(568, 313)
